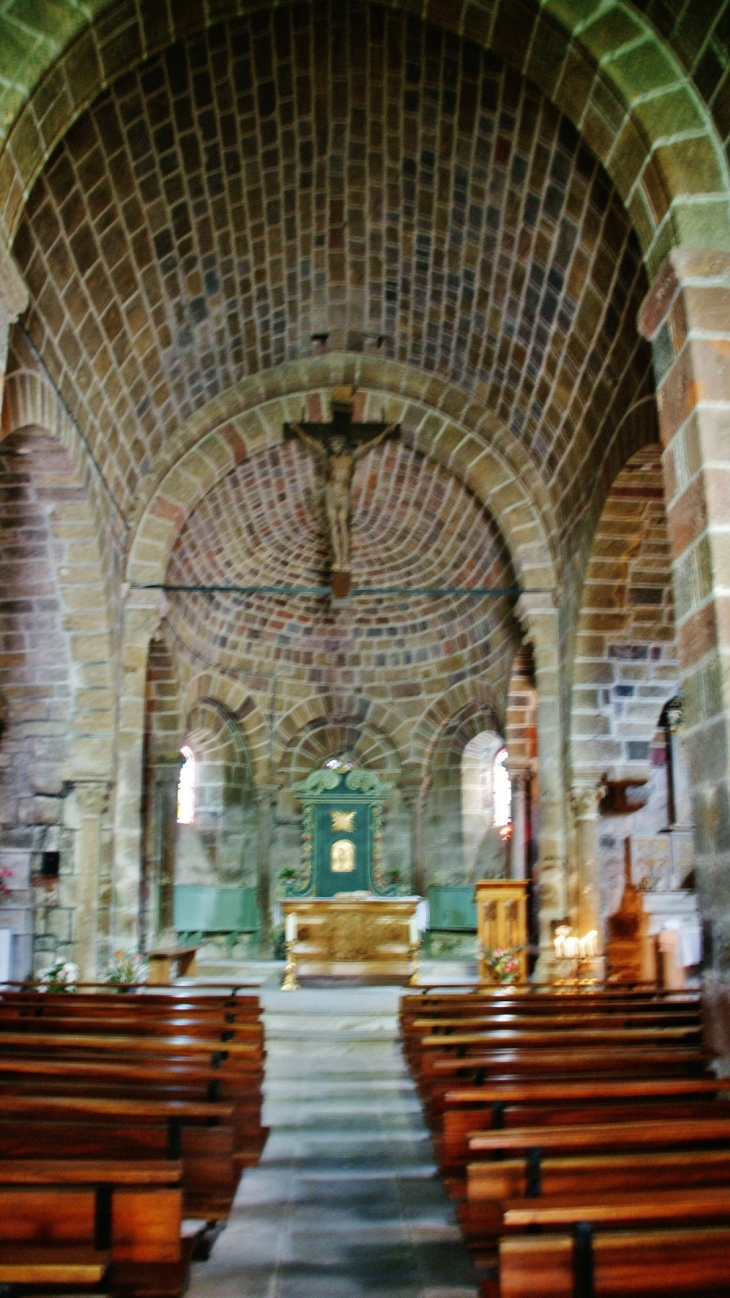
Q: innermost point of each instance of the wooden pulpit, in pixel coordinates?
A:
(501, 921)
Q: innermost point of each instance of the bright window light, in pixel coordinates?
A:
(186, 789)
(502, 790)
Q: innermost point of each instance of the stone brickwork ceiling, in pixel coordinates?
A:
(339, 170)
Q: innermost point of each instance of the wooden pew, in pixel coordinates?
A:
(656, 1263)
(615, 1076)
(52, 1264)
(610, 1209)
(131, 1129)
(198, 1082)
(597, 1137)
(491, 1185)
(452, 1147)
(130, 1212)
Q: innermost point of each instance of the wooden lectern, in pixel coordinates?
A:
(501, 921)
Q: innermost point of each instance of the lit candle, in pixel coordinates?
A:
(588, 943)
(572, 948)
(290, 928)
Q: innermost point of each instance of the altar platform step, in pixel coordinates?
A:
(268, 974)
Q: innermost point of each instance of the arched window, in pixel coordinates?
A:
(486, 803)
(502, 786)
(186, 788)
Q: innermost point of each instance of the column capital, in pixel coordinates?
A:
(93, 795)
(144, 610)
(586, 797)
(519, 774)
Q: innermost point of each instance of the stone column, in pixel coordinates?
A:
(686, 315)
(415, 797)
(539, 618)
(678, 770)
(266, 798)
(142, 616)
(92, 797)
(519, 777)
(585, 802)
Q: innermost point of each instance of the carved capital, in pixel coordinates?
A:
(93, 796)
(519, 777)
(144, 610)
(585, 799)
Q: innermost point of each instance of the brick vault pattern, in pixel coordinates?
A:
(413, 526)
(339, 169)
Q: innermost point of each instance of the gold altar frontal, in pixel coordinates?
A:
(353, 937)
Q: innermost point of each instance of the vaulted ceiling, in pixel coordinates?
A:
(338, 170)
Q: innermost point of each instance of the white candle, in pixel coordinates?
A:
(290, 928)
(413, 931)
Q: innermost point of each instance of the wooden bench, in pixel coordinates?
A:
(185, 1082)
(52, 1264)
(587, 1121)
(166, 965)
(124, 1129)
(495, 1187)
(659, 1263)
(130, 1211)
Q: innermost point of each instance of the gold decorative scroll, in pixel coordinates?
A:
(342, 856)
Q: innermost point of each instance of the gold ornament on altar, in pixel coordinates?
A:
(342, 856)
(343, 822)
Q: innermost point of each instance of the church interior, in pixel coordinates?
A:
(365, 647)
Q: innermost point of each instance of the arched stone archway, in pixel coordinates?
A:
(607, 68)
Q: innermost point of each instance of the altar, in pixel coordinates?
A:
(354, 935)
(342, 916)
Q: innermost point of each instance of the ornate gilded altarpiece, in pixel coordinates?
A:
(345, 921)
(342, 837)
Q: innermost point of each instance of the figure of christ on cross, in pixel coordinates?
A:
(338, 446)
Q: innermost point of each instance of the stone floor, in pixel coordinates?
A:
(346, 1202)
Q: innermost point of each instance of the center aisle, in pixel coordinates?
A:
(345, 1202)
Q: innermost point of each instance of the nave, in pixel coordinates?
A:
(345, 1202)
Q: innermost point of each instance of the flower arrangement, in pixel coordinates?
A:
(5, 874)
(126, 967)
(60, 976)
(504, 963)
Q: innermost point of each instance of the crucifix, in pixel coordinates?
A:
(338, 446)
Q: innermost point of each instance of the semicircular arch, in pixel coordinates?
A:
(447, 426)
(606, 66)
